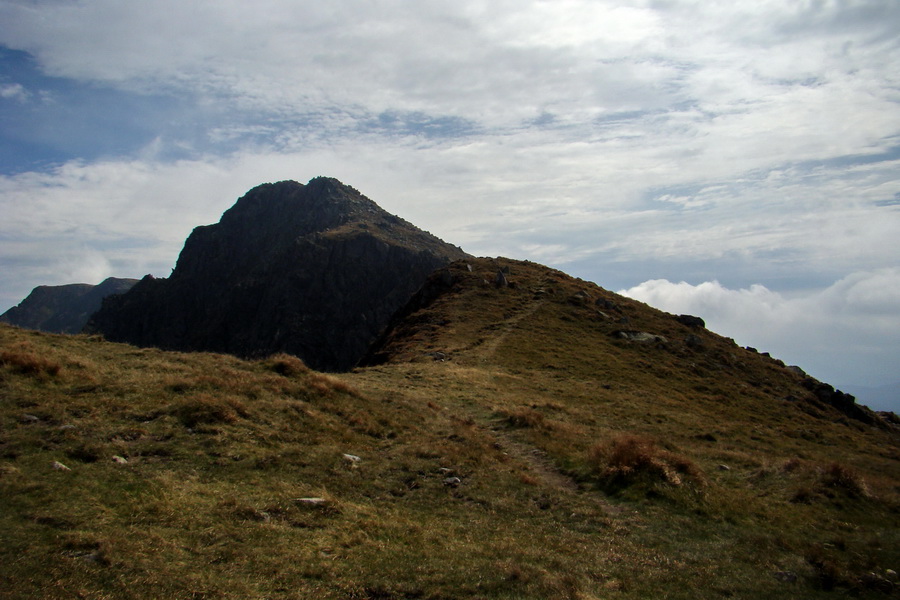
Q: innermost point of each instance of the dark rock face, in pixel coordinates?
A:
(313, 270)
(63, 308)
(691, 321)
(845, 403)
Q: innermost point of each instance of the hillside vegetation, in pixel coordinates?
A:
(524, 436)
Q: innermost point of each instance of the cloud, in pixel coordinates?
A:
(499, 64)
(14, 91)
(848, 332)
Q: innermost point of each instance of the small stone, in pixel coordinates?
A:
(452, 481)
(59, 466)
(66, 427)
(119, 460)
(724, 468)
(693, 341)
(877, 582)
(314, 501)
(351, 458)
(786, 576)
(29, 419)
(891, 575)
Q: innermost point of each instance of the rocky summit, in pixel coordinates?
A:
(313, 270)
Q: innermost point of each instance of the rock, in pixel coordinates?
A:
(607, 304)
(66, 427)
(286, 269)
(786, 576)
(640, 336)
(29, 418)
(891, 575)
(313, 501)
(797, 370)
(500, 280)
(579, 298)
(845, 403)
(119, 460)
(351, 458)
(58, 466)
(452, 481)
(877, 582)
(889, 417)
(693, 341)
(691, 321)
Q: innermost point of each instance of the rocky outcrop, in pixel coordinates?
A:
(845, 403)
(691, 321)
(63, 308)
(313, 270)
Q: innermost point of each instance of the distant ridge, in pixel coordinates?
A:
(63, 308)
(313, 270)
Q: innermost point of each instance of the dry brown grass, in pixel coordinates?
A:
(287, 365)
(523, 417)
(628, 459)
(840, 477)
(25, 359)
(207, 409)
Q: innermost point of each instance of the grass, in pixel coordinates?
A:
(543, 457)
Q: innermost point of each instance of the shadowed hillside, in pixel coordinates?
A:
(528, 435)
(315, 270)
(63, 308)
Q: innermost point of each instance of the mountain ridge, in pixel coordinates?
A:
(63, 308)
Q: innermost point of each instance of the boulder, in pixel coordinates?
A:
(691, 321)
(640, 336)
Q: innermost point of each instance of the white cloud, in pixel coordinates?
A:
(848, 332)
(497, 64)
(14, 91)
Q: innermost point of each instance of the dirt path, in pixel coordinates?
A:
(488, 349)
(538, 461)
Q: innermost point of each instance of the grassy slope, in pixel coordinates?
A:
(745, 493)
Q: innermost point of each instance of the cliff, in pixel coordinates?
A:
(313, 270)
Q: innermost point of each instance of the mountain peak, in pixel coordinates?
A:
(315, 270)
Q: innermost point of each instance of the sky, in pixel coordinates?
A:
(738, 160)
